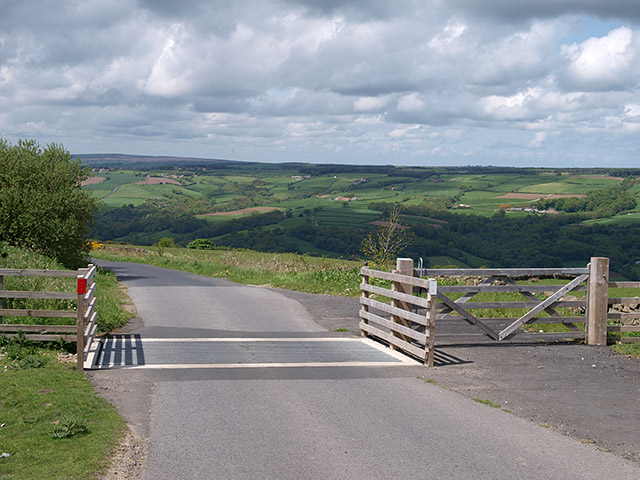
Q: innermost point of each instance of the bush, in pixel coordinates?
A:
(164, 243)
(42, 206)
(202, 244)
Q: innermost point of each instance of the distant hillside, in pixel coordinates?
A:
(106, 160)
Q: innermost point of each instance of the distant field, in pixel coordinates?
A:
(286, 188)
(240, 212)
(158, 181)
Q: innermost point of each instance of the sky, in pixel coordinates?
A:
(540, 83)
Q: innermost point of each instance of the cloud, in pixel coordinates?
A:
(410, 103)
(538, 139)
(604, 63)
(371, 104)
(341, 80)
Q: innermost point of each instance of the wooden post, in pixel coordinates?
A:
(404, 266)
(1, 287)
(82, 290)
(431, 322)
(597, 301)
(364, 308)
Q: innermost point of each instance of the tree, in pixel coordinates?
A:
(42, 204)
(389, 239)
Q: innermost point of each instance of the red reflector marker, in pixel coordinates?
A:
(82, 286)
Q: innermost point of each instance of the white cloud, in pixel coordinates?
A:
(632, 110)
(604, 63)
(370, 104)
(538, 139)
(410, 103)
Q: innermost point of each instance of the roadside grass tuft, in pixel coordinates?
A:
(487, 402)
(427, 380)
(491, 404)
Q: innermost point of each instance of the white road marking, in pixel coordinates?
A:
(172, 366)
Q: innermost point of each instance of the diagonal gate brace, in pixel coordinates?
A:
(507, 332)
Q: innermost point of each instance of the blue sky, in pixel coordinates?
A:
(443, 82)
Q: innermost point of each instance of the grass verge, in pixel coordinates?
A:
(52, 424)
(295, 272)
(630, 349)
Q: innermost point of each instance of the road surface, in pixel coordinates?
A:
(311, 422)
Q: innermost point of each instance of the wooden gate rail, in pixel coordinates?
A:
(83, 331)
(404, 330)
(461, 308)
(621, 317)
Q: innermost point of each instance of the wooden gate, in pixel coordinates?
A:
(479, 297)
(390, 316)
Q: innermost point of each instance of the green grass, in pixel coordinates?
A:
(486, 402)
(110, 300)
(491, 404)
(442, 261)
(45, 404)
(291, 271)
(630, 349)
(48, 401)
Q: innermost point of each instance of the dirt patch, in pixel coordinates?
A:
(240, 212)
(92, 181)
(158, 181)
(128, 459)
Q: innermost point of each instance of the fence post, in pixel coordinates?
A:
(363, 307)
(1, 288)
(404, 266)
(82, 290)
(431, 321)
(597, 301)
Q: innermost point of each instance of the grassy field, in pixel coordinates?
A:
(52, 423)
(285, 188)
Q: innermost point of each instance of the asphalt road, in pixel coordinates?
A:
(312, 422)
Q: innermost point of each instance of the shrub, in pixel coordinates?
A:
(42, 206)
(164, 243)
(202, 244)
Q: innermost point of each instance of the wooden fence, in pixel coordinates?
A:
(83, 331)
(396, 323)
(587, 316)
